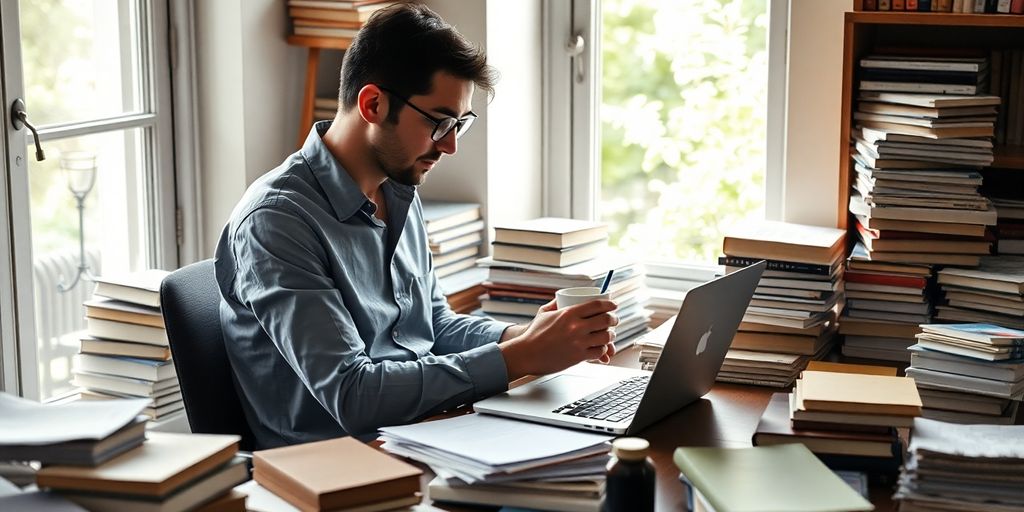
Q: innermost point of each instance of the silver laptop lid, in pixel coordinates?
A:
(695, 349)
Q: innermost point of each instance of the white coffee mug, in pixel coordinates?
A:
(571, 296)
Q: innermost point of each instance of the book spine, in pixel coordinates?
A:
(1017, 7)
(924, 5)
(785, 266)
(911, 5)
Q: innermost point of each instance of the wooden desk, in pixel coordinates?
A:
(725, 417)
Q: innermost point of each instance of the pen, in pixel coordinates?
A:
(607, 281)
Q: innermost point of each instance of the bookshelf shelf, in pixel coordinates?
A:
(968, 34)
(936, 19)
(315, 44)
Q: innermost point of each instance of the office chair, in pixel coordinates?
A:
(190, 301)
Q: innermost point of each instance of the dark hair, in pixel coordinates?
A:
(401, 47)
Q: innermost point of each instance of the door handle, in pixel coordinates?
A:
(19, 118)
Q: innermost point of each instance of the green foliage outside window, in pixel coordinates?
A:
(683, 120)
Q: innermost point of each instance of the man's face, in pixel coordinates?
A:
(405, 150)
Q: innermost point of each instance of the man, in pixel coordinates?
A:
(331, 313)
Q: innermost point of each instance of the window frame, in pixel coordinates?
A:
(17, 316)
(571, 110)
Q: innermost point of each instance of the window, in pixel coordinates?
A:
(668, 141)
(94, 76)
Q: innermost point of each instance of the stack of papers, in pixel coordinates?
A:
(488, 460)
(476, 448)
(963, 467)
(78, 433)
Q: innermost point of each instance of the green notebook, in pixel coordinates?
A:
(766, 478)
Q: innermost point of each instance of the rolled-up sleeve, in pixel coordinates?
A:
(283, 277)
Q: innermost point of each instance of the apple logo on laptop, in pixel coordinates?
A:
(702, 345)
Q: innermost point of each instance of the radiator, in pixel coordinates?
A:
(59, 316)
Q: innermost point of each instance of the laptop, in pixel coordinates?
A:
(625, 400)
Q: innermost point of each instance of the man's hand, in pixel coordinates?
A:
(559, 338)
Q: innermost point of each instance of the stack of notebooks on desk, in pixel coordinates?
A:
(339, 19)
(516, 290)
(963, 467)
(337, 474)
(786, 477)
(848, 419)
(885, 304)
(169, 472)
(992, 293)
(487, 460)
(791, 318)
(455, 232)
(75, 433)
(125, 353)
(969, 373)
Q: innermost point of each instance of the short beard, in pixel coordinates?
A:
(388, 155)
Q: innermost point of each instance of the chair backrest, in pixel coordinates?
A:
(190, 301)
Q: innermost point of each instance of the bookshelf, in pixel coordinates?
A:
(867, 31)
(315, 45)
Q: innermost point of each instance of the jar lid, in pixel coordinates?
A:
(630, 448)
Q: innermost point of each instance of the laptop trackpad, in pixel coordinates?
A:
(559, 389)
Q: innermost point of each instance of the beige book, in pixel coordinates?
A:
(125, 348)
(163, 464)
(333, 474)
(120, 331)
(785, 241)
(848, 392)
(552, 232)
(123, 312)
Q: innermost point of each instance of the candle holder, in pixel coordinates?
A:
(79, 169)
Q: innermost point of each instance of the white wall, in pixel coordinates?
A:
(815, 62)
(499, 160)
(250, 88)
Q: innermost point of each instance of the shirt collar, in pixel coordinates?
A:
(341, 190)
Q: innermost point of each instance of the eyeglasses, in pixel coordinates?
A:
(442, 126)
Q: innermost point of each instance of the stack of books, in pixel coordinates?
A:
(71, 433)
(324, 109)
(886, 302)
(516, 291)
(335, 19)
(848, 419)
(791, 318)
(962, 467)
(969, 373)
(168, 472)
(533, 259)
(549, 241)
(337, 474)
(667, 284)
(486, 460)
(991, 293)
(125, 353)
(785, 477)
(917, 152)
(455, 233)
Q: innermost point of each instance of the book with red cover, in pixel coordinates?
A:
(888, 280)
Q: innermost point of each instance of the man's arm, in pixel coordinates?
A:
(281, 276)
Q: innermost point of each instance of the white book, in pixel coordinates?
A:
(141, 288)
(123, 385)
(144, 369)
(500, 496)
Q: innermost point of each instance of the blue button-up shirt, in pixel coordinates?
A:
(333, 320)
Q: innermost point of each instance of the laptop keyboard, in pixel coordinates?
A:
(615, 403)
